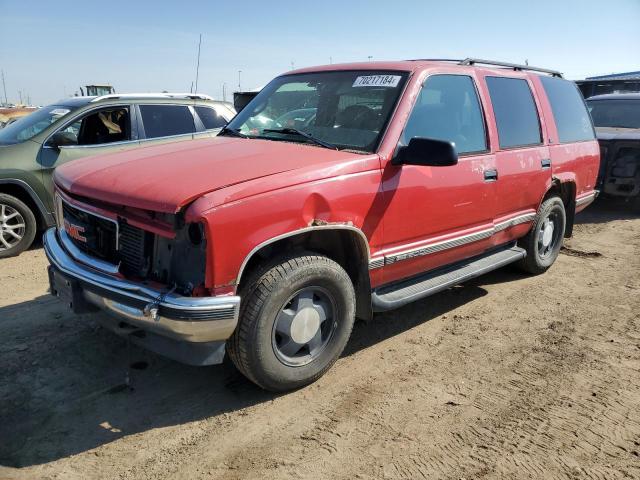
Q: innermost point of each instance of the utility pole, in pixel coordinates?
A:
(224, 91)
(239, 87)
(20, 94)
(198, 65)
(330, 60)
(293, 65)
(5, 88)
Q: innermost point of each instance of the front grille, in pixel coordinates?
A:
(117, 243)
(92, 234)
(133, 252)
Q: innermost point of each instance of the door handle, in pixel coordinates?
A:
(546, 163)
(491, 175)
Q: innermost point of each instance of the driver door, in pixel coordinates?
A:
(439, 215)
(102, 130)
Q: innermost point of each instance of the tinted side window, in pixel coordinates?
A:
(448, 109)
(210, 118)
(572, 120)
(166, 120)
(515, 111)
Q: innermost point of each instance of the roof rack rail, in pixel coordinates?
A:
(457, 60)
(515, 66)
(194, 96)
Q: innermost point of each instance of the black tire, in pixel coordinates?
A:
(268, 296)
(540, 256)
(20, 214)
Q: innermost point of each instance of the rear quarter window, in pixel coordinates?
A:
(515, 111)
(210, 118)
(569, 111)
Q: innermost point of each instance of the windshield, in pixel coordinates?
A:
(344, 109)
(615, 113)
(29, 126)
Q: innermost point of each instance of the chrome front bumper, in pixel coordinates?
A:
(183, 319)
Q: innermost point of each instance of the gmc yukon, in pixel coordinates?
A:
(339, 191)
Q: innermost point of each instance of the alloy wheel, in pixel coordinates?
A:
(12, 227)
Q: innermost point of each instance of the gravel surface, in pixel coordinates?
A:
(508, 376)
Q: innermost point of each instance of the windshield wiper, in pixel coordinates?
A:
(233, 132)
(308, 136)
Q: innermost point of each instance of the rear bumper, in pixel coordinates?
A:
(138, 307)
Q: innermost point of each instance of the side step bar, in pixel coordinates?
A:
(399, 294)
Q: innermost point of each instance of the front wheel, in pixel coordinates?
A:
(17, 226)
(544, 240)
(296, 318)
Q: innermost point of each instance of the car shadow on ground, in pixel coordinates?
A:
(604, 210)
(62, 388)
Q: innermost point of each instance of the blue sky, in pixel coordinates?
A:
(49, 48)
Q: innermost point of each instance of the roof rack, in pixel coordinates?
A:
(515, 66)
(474, 61)
(195, 96)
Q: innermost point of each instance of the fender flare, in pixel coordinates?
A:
(300, 231)
(46, 216)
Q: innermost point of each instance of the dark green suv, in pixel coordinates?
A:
(79, 127)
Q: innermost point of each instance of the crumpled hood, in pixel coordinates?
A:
(164, 178)
(610, 133)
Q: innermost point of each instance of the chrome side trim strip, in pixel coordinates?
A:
(457, 241)
(512, 222)
(586, 199)
(439, 246)
(377, 263)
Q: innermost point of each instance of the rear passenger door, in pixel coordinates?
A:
(166, 123)
(523, 164)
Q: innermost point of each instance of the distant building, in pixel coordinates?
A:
(614, 83)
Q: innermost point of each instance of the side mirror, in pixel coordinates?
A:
(62, 139)
(427, 152)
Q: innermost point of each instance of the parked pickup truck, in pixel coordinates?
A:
(390, 182)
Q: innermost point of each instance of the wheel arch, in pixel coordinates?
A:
(23, 192)
(566, 190)
(345, 244)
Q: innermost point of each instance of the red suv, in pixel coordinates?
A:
(337, 192)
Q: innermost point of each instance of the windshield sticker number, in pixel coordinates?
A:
(377, 81)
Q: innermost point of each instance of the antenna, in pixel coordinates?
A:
(5, 88)
(198, 65)
(239, 87)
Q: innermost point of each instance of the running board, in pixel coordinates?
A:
(399, 294)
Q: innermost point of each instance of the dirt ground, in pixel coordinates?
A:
(508, 376)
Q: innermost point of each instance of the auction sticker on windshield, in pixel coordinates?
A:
(377, 81)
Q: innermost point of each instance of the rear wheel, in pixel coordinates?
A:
(544, 240)
(17, 226)
(296, 318)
